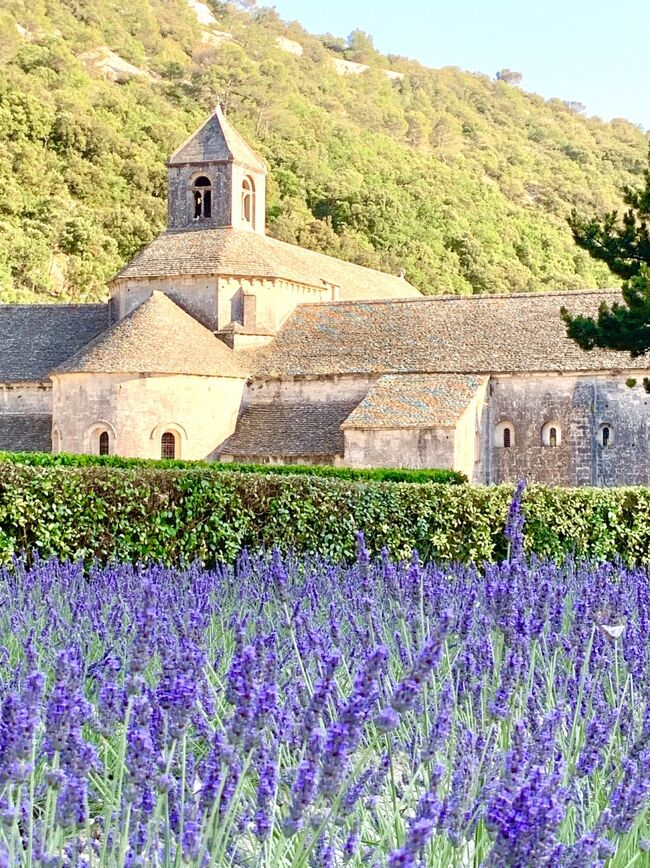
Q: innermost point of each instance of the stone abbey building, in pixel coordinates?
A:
(219, 342)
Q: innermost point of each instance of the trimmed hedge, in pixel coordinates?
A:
(378, 474)
(169, 515)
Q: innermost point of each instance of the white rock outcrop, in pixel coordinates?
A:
(290, 46)
(349, 67)
(203, 13)
(111, 65)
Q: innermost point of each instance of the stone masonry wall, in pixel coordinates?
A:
(399, 447)
(316, 389)
(580, 405)
(137, 410)
(227, 180)
(216, 302)
(25, 398)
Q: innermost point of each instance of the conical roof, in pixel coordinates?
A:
(158, 337)
(217, 141)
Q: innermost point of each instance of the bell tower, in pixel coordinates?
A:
(217, 180)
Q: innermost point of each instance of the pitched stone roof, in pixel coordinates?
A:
(217, 141)
(443, 334)
(307, 428)
(158, 337)
(25, 433)
(35, 338)
(240, 253)
(415, 401)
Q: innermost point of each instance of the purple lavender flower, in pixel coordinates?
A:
(408, 690)
(514, 531)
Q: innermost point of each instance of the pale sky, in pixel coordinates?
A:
(591, 51)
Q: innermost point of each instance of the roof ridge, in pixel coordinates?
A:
(484, 296)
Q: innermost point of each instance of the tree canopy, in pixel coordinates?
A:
(623, 243)
(464, 182)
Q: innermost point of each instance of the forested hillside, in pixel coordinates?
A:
(464, 182)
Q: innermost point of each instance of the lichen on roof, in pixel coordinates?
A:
(158, 337)
(415, 401)
(234, 252)
(441, 334)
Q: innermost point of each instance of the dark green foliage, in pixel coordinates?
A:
(377, 474)
(624, 244)
(464, 182)
(623, 327)
(164, 515)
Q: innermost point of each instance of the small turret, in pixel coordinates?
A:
(216, 179)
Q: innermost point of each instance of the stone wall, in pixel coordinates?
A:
(399, 447)
(196, 295)
(26, 398)
(317, 389)
(580, 405)
(137, 410)
(275, 300)
(227, 180)
(26, 417)
(217, 301)
(468, 436)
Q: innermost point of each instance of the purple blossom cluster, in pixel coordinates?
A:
(287, 711)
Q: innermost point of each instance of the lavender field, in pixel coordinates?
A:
(289, 712)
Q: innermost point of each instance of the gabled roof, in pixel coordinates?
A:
(440, 334)
(290, 430)
(415, 401)
(240, 253)
(217, 141)
(35, 338)
(158, 337)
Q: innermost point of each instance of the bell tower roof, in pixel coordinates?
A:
(217, 141)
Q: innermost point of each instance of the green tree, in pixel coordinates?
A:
(624, 244)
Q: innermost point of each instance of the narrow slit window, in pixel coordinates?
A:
(606, 435)
(104, 443)
(168, 445)
(507, 442)
(552, 437)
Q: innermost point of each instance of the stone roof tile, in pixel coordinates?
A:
(25, 433)
(440, 334)
(241, 253)
(157, 337)
(289, 430)
(217, 141)
(35, 338)
(415, 401)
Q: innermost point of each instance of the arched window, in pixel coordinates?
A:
(248, 201)
(504, 435)
(168, 445)
(606, 436)
(551, 434)
(56, 441)
(202, 198)
(104, 443)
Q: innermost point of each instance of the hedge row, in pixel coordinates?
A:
(378, 474)
(166, 515)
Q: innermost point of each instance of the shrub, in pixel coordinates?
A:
(378, 474)
(158, 514)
